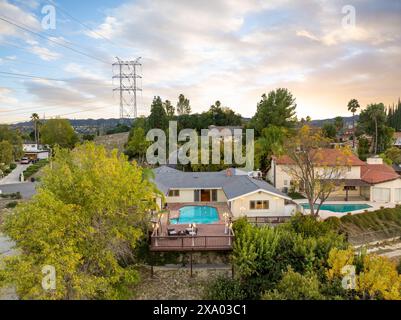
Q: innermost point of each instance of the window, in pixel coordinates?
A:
(174, 193)
(350, 188)
(349, 169)
(214, 195)
(259, 205)
(286, 182)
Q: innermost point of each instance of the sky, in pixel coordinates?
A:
(326, 52)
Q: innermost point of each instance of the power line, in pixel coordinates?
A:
(52, 40)
(79, 22)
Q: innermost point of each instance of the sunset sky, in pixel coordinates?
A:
(227, 50)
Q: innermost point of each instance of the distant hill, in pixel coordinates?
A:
(320, 123)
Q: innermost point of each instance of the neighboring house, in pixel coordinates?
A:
(35, 151)
(244, 195)
(371, 180)
(397, 138)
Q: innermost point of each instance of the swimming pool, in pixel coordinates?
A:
(341, 207)
(196, 214)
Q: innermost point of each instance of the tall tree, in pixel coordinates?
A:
(35, 119)
(339, 123)
(170, 110)
(277, 108)
(137, 145)
(158, 117)
(329, 130)
(14, 138)
(86, 221)
(353, 107)
(6, 153)
(373, 121)
(183, 106)
(59, 132)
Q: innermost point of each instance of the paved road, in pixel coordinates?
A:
(26, 189)
(13, 177)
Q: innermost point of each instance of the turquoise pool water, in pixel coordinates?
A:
(195, 214)
(341, 207)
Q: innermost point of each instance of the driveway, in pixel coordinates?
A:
(13, 177)
(27, 189)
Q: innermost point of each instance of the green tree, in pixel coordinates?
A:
(58, 132)
(394, 154)
(137, 145)
(35, 119)
(86, 219)
(13, 137)
(363, 148)
(183, 106)
(329, 130)
(6, 153)
(277, 108)
(170, 110)
(158, 117)
(270, 143)
(373, 121)
(295, 286)
(339, 123)
(353, 107)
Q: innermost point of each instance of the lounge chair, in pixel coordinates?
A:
(172, 232)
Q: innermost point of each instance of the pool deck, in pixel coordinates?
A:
(324, 214)
(209, 237)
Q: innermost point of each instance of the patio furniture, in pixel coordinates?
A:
(172, 232)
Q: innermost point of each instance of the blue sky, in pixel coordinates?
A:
(227, 50)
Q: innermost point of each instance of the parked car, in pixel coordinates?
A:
(25, 161)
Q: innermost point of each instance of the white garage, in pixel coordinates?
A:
(381, 194)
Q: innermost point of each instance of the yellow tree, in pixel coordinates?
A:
(85, 222)
(311, 169)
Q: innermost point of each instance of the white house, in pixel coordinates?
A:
(35, 151)
(243, 194)
(372, 180)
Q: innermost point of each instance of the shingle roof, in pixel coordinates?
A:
(327, 157)
(378, 173)
(233, 186)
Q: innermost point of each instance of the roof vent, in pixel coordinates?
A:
(229, 173)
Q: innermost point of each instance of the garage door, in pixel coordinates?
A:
(397, 195)
(381, 194)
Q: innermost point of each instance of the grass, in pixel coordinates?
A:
(33, 169)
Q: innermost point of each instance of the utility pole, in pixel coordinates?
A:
(127, 75)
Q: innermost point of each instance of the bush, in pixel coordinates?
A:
(33, 169)
(225, 289)
(12, 205)
(13, 166)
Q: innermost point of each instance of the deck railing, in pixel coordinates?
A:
(268, 220)
(188, 243)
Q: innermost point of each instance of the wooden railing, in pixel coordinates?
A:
(189, 243)
(268, 220)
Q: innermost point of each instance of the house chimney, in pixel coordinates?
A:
(374, 160)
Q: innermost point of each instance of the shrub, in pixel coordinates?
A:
(12, 205)
(225, 289)
(13, 166)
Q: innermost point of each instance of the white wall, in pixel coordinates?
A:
(276, 205)
(394, 187)
(187, 195)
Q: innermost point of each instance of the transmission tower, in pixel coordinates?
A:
(126, 72)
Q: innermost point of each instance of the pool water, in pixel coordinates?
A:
(195, 214)
(341, 207)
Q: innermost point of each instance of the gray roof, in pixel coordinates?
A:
(233, 186)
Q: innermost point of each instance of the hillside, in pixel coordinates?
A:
(113, 141)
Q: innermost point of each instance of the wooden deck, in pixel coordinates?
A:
(209, 238)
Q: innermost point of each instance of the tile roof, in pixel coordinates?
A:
(327, 157)
(378, 173)
(233, 186)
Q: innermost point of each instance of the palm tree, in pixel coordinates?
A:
(35, 120)
(374, 112)
(353, 107)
